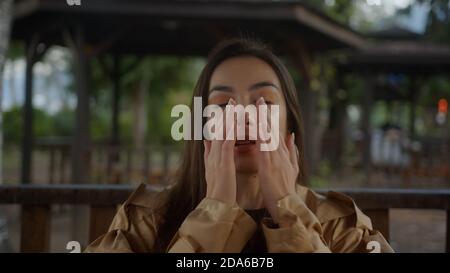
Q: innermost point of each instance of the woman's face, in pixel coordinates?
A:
(246, 79)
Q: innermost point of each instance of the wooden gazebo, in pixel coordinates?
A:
(413, 58)
(181, 28)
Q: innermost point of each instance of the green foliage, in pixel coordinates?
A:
(322, 176)
(170, 80)
(435, 88)
(45, 125)
(167, 80)
(438, 24)
(16, 50)
(12, 125)
(438, 28)
(341, 10)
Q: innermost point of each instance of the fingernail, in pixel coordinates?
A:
(293, 138)
(261, 100)
(231, 101)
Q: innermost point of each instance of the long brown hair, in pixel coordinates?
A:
(190, 186)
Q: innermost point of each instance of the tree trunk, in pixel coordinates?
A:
(140, 112)
(5, 27)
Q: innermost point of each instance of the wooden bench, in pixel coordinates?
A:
(36, 202)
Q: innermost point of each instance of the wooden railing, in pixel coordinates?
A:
(36, 202)
(109, 164)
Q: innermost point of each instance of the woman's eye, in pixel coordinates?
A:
(268, 102)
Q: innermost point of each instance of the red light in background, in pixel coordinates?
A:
(443, 106)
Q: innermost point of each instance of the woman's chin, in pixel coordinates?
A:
(246, 164)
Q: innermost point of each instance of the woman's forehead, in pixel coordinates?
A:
(242, 72)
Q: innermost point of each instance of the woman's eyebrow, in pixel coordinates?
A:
(226, 88)
(223, 88)
(263, 84)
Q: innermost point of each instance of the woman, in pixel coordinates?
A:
(232, 197)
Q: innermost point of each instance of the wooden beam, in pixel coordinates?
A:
(25, 8)
(188, 9)
(114, 194)
(106, 44)
(329, 28)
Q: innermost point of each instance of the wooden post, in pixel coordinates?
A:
(308, 100)
(366, 104)
(412, 110)
(336, 125)
(27, 137)
(114, 152)
(51, 170)
(129, 171)
(166, 161)
(100, 220)
(447, 234)
(6, 17)
(115, 129)
(380, 220)
(35, 228)
(147, 166)
(81, 140)
(33, 54)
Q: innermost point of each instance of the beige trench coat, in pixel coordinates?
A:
(331, 223)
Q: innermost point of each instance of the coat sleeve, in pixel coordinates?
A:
(303, 232)
(354, 233)
(212, 227)
(133, 229)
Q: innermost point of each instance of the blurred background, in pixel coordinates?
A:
(86, 90)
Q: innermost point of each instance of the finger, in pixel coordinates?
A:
(230, 140)
(278, 154)
(252, 126)
(274, 136)
(264, 156)
(285, 143)
(292, 149)
(216, 144)
(263, 126)
(207, 146)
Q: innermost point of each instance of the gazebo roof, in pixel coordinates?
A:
(416, 57)
(189, 27)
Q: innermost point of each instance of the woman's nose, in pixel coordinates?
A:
(243, 100)
(246, 100)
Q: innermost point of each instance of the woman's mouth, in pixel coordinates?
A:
(244, 142)
(244, 146)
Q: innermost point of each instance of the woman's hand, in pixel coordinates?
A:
(277, 169)
(220, 170)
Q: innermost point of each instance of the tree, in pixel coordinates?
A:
(438, 19)
(5, 26)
